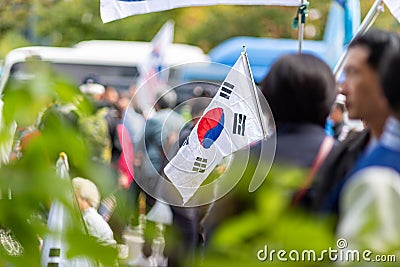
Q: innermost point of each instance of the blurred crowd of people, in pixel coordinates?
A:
(352, 175)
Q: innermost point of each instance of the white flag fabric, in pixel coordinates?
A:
(160, 213)
(394, 7)
(231, 122)
(117, 9)
(151, 76)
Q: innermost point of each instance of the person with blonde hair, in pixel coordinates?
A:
(88, 197)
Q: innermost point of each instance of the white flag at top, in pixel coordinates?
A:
(231, 122)
(152, 73)
(394, 7)
(117, 9)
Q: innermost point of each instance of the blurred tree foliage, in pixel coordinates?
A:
(266, 220)
(32, 179)
(66, 22)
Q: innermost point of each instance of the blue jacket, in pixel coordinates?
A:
(385, 154)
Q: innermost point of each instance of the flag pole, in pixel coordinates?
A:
(63, 172)
(301, 17)
(254, 91)
(376, 9)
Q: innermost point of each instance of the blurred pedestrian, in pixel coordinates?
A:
(104, 131)
(300, 90)
(135, 101)
(111, 94)
(132, 120)
(88, 198)
(161, 131)
(337, 118)
(365, 101)
(369, 214)
(99, 127)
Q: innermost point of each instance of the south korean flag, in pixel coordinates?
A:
(232, 121)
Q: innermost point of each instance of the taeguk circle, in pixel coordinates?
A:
(210, 127)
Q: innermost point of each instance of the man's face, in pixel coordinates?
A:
(336, 115)
(364, 96)
(123, 103)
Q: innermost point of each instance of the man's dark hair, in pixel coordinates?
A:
(376, 41)
(390, 78)
(166, 98)
(299, 89)
(198, 105)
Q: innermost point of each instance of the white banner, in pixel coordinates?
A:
(117, 9)
(231, 122)
(152, 73)
(394, 7)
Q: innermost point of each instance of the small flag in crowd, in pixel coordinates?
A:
(107, 207)
(54, 244)
(117, 9)
(231, 122)
(394, 7)
(151, 76)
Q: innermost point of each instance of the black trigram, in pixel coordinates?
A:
(54, 254)
(239, 124)
(200, 165)
(226, 90)
(186, 142)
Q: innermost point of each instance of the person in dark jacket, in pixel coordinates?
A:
(364, 100)
(300, 90)
(369, 216)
